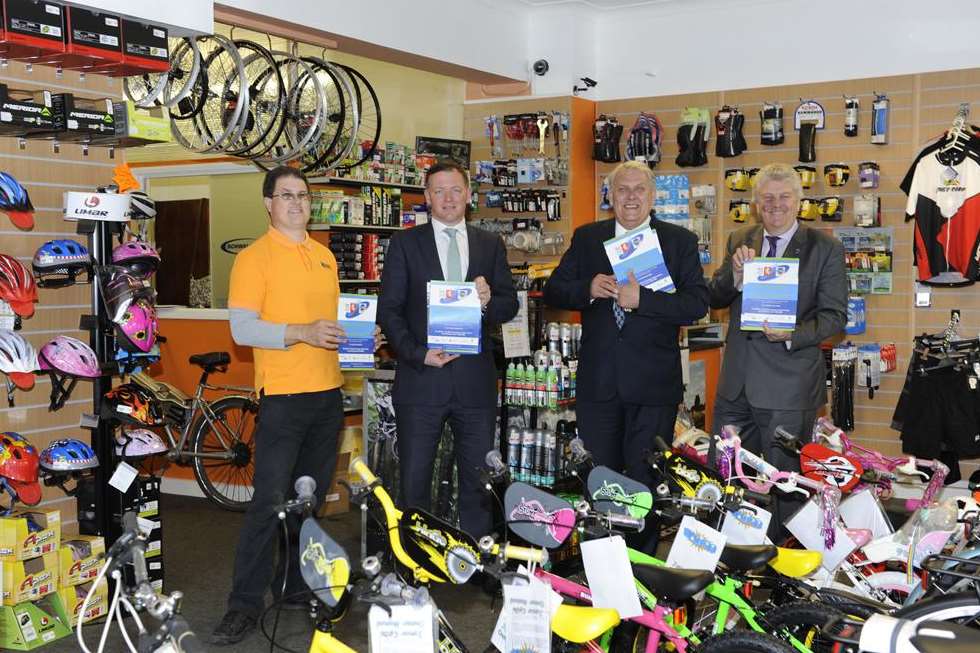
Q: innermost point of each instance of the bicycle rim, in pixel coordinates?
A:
(227, 482)
(336, 114)
(145, 90)
(369, 120)
(185, 66)
(304, 111)
(347, 123)
(266, 94)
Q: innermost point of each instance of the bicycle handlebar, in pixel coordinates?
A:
(185, 638)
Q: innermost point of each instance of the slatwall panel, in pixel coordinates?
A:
(922, 106)
(47, 175)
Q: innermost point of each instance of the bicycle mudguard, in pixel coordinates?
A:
(438, 547)
(613, 492)
(821, 463)
(540, 518)
(323, 563)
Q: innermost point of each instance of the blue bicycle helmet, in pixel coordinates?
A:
(58, 263)
(15, 202)
(68, 455)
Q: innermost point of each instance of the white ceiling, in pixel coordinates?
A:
(603, 4)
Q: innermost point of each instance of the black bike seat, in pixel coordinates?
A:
(210, 359)
(672, 585)
(945, 637)
(741, 557)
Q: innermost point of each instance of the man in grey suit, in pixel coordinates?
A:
(777, 377)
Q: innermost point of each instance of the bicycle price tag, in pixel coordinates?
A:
(804, 525)
(500, 630)
(528, 618)
(607, 566)
(408, 629)
(747, 525)
(123, 477)
(88, 421)
(696, 546)
(863, 510)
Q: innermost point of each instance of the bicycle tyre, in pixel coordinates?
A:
(743, 641)
(804, 620)
(227, 484)
(961, 608)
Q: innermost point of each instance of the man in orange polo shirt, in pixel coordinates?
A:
(283, 303)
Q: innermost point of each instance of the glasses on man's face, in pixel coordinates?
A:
(293, 197)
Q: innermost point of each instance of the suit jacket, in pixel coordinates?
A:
(641, 364)
(772, 376)
(411, 261)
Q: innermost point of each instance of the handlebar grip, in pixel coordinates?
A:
(361, 469)
(185, 638)
(525, 553)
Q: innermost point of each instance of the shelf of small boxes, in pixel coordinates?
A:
(45, 579)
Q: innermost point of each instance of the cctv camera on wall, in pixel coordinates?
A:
(540, 67)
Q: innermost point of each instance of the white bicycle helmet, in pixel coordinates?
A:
(18, 359)
(141, 206)
(138, 443)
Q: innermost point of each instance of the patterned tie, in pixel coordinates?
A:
(772, 245)
(454, 267)
(619, 314)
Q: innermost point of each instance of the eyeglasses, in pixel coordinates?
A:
(290, 197)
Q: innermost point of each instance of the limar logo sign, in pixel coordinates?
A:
(629, 246)
(236, 245)
(92, 201)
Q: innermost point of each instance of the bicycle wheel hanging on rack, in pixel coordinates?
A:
(339, 111)
(263, 118)
(347, 123)
(369, 119)
(185, 66)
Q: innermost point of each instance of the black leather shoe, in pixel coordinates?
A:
(234, 627)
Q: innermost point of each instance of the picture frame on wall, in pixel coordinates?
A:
(444, 148)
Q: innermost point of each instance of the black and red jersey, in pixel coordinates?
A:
(944, 200)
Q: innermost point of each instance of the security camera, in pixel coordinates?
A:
(540, 67)
(589, 82)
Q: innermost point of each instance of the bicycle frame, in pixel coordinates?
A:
(199, 405)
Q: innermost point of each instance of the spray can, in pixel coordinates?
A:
(576, 339)
(539, 440)
(510, 383)
(541, 386)
(514, 453)
(527, 455)
(530, 396)
(566, 339)
(550, 444)
(552, 387)
(554, 336)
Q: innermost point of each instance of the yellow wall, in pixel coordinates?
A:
(237, 211)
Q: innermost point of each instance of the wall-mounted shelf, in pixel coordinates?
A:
(357, 183)
(350, 227)
(352, 282)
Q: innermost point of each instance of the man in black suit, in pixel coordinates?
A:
(431, 385)
(629, 374)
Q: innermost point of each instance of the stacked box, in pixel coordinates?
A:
(72, 598)
(29, 580)
(144, 497)
(382, 206)
(28, 626)
(79, 559)
(348, 249)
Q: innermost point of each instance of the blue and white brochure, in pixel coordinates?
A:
(639, 250)
(770, 287)
(357, 315)
(455, 318)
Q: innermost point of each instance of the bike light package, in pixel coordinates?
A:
(83, 120)
(26, 113)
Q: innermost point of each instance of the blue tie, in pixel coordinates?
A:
(619, 314)
(772, 245)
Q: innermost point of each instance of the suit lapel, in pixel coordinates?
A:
(755, 240)
(608, 231)
(427, 247)
(797, 243)
(472, 264)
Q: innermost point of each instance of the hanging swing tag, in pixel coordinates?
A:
(809, 111)
(123, 477)
(406, 628)
(923, 295)
(88, 421)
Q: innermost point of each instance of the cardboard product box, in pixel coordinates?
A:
(17, 542)
(84, 120)
(26, 113)
(72, 599)
(154, 570)
(79, 559)
(28, 626)
(33, 30)
(135, 127)
(145, 48)
(337, 499)
(149, 504)
(93, 41)
(29, 580)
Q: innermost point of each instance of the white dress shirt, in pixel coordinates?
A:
(783, 241)
(442, 244)
(620, 229)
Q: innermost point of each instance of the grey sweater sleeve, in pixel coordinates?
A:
(248, 330)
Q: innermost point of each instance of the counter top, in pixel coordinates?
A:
(185, 313)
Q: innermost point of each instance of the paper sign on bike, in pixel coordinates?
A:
(357, 315)
(455, 318)
(747, 525)
(408, 629)
(770, 287)
(863, 510)
(639, 250)
(528, 588)
(607, 566)
(696, 546)
(804, 525)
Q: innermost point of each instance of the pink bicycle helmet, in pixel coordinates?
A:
(137, 330)
(120, 289)
(137, 443)
(140, 259)
(69, 356)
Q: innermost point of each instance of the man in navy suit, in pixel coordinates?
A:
(431, 385)
(629, 375)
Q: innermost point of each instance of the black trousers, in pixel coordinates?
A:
(296, 436)
(620, 436)
(756, 427)
(419, 431)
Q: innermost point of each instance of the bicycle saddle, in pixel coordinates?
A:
(211, 360)
(580, 624)
(796, 563)
(672, 585)
(745, 557)
(945, 637)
